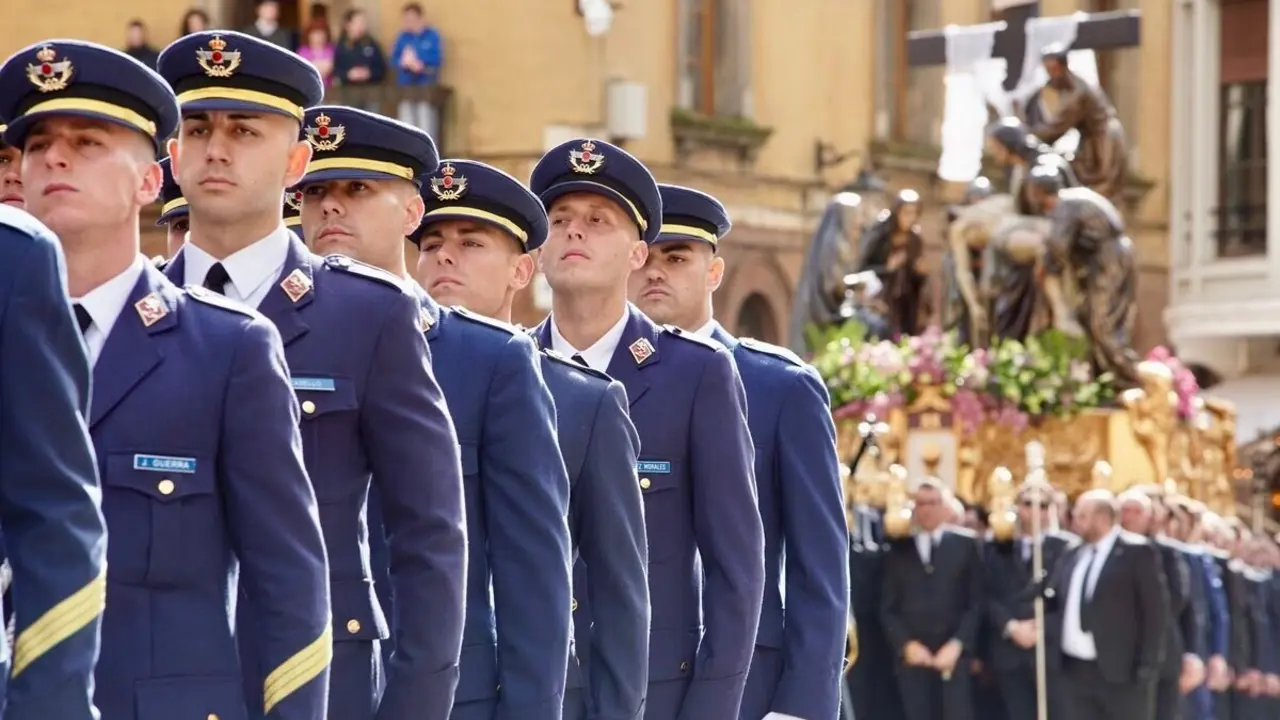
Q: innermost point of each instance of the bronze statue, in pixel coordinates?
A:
(1067, 102)
(893, 248)
(1090, 278)
(821, 292)
(965, 311)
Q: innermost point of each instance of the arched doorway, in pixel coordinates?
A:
(757, 320)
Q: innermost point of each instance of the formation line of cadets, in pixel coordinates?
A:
(310, 482)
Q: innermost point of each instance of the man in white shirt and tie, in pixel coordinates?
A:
(931, 606)
(1111, 604)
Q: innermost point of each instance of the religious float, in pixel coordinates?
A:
(935, 407)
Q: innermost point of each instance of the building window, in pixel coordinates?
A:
(1242, 170)
(756, 319)
(714, 57)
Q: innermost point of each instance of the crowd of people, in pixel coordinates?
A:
(280, 474)
(1153, 608)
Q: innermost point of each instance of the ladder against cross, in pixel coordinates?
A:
(1099, 31)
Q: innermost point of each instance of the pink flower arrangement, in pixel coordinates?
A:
(1184, 381)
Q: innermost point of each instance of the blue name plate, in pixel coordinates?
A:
(164, 463)
(314, 384)
(654, 467)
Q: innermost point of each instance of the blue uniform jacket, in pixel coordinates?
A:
(801, 499)
(1219, 634)
(695, 468)
(606, 519)
(516, 644)
(49, 496)
(371, 408)
(189, 488)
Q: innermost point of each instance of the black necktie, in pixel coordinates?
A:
(217, 279)
(83, 319)
(1085, 599)
(580, 360)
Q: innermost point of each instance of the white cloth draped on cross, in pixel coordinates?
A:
(975, 82)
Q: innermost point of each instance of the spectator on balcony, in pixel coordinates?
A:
(136, 45)
(196, 20)
(266, 25)
(358, 60)
(418, 55)
(319, 51)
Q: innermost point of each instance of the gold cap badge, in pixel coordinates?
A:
(217, 61)
(641, 350)
(450, 186)
(151, 309)
(324, 136)
(586, 160)
(48, 73)
(296, 285)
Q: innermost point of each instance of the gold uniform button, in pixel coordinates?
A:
(353, 626)
(308, 407)
(574, 605)
(165, 487)
(644, 483)
(212, 716)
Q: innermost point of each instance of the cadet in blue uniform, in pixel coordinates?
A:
(800, 646)
(49, 496)
(188, 487)
(516, 635)
(10, 174)
(687, 403)
(371, 407)
(292, 211)
(173, 211)
(475, 247)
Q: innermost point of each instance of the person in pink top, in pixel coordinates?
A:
(318, 49)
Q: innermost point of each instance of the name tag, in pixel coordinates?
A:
(654, 467)
(164, 463)
(314, 384)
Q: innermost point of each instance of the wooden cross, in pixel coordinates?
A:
(1099, 31)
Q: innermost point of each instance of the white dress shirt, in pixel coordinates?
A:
(705, 331)
(104, 305)
(925, 542)
(600, 354)
(1075, 641)
(253, 269)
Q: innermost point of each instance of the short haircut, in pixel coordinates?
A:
(1103, 500)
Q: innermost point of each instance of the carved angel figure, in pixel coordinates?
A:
(1152, 408)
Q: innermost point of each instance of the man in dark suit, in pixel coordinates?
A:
(689, 407)
(1143, 512)
(372, 411)
(475, 244)
(1112, 607)
(1011, 592)
(932, 607)
(50, 506)
(872, 687)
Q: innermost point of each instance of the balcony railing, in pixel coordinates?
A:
(386, 99)
(1241, 230)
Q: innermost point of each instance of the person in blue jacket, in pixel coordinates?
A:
(372, 411)
(192, 420)
(476, 243)
(361, 198)
(706, 543)
(799, 649)
(50, 501)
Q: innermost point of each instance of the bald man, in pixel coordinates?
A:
(1111, 607)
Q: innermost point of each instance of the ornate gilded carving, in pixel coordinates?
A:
(1003, 517)
(1152, 408)
(897, 504)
